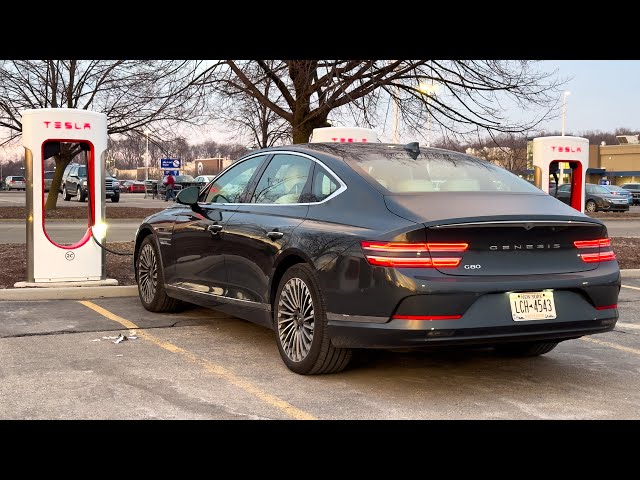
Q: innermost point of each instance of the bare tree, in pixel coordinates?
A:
(134, 94)
(473, 97)
(507, 150)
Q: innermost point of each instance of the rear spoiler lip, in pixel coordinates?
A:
(528, 224)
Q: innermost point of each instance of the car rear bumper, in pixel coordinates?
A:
(418, 333)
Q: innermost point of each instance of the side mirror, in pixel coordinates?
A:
(188, 196)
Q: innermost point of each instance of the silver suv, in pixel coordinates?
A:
(634, 188)
(15, 182)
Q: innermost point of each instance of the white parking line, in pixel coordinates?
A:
(629, 286)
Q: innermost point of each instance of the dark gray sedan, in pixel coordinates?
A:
(597, 198)
(343, 246)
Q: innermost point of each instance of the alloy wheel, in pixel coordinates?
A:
(295, 319)
(147, 273)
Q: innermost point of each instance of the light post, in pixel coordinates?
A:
(565, 94)
(430, 90)
(146, 156)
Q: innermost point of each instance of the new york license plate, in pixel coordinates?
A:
(532, 306)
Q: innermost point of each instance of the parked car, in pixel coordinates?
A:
(202, 180)
(48, 178)
(634, 188)
(132, 186)
(339, 246)
(597, 198)
(74, 184)
(616, 190)
(15, 182)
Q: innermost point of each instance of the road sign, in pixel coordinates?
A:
(175, 173)
(170, 163)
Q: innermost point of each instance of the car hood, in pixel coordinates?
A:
(451, 207)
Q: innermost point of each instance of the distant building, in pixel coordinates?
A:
(210, 166)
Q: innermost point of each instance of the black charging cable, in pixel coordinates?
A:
(105, 235)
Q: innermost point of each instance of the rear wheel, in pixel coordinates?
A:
(526, 349)
(301, 325)
(151, 291)
(591, 206)
(65, 194)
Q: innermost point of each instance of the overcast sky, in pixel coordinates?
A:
(605, 95)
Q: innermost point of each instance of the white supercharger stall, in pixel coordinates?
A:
(43, 132)
(343, 135)
(557, 154)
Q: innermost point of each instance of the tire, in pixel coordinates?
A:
(79, 195)
(115, 198)
(318, 355)
(65, 194)
(150, 280)
(591, 206)
(525, 349)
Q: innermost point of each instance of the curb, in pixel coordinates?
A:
(68, 293)
(630, 273)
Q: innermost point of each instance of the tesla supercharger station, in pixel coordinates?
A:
(556, 154)
(43, 132)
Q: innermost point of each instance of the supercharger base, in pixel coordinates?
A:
(47, 133)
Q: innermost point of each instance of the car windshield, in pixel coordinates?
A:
(82, 171)
(184, 178)
(599, 189)
(435, 170)
(17, 179)
(615, 188)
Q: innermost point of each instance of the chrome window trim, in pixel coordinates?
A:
(341, 188)
(237, 301)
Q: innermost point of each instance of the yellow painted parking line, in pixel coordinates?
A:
(611, 345)
(211, 367)
(629, 286)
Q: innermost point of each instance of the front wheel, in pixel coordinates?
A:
(526, 349)
(591, 206)
(115, 198)
(150, 278)
(79, 195)
(301, 325)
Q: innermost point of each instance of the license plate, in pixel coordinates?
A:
(532, 306)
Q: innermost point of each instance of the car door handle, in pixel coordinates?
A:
(214, 228)
(275, 235)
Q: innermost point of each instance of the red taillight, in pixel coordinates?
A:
(413, 255)
(601, 250)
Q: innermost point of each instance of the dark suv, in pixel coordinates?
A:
(634, 188)
(74, 184)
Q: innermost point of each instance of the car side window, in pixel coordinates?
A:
(283, 180)
(229, 187)
(323, 185)
(564, 188)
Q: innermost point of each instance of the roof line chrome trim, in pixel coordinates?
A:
(516, 222)
(342, 188)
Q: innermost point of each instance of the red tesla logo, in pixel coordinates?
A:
(347, 140)
(567, 149)
(68, 125)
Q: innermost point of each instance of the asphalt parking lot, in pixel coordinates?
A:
(55, 363)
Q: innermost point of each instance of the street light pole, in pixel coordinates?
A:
(428, 90)
(565, 94)
(146, 157)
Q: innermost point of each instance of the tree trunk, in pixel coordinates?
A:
(52, 198)
(302, 132)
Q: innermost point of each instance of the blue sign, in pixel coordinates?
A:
(175, 173)
(170, 163)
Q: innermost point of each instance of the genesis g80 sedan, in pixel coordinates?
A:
(343, 246)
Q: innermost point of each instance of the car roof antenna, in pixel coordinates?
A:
(413, 148)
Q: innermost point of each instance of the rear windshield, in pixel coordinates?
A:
(17, 179)
(49, 175)
(436, 170)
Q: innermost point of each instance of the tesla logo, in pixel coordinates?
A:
(69, 256)
(531, 246)
(567, 149)
(348, 140)
(68, 125)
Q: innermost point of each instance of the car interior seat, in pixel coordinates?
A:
(293, 183)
